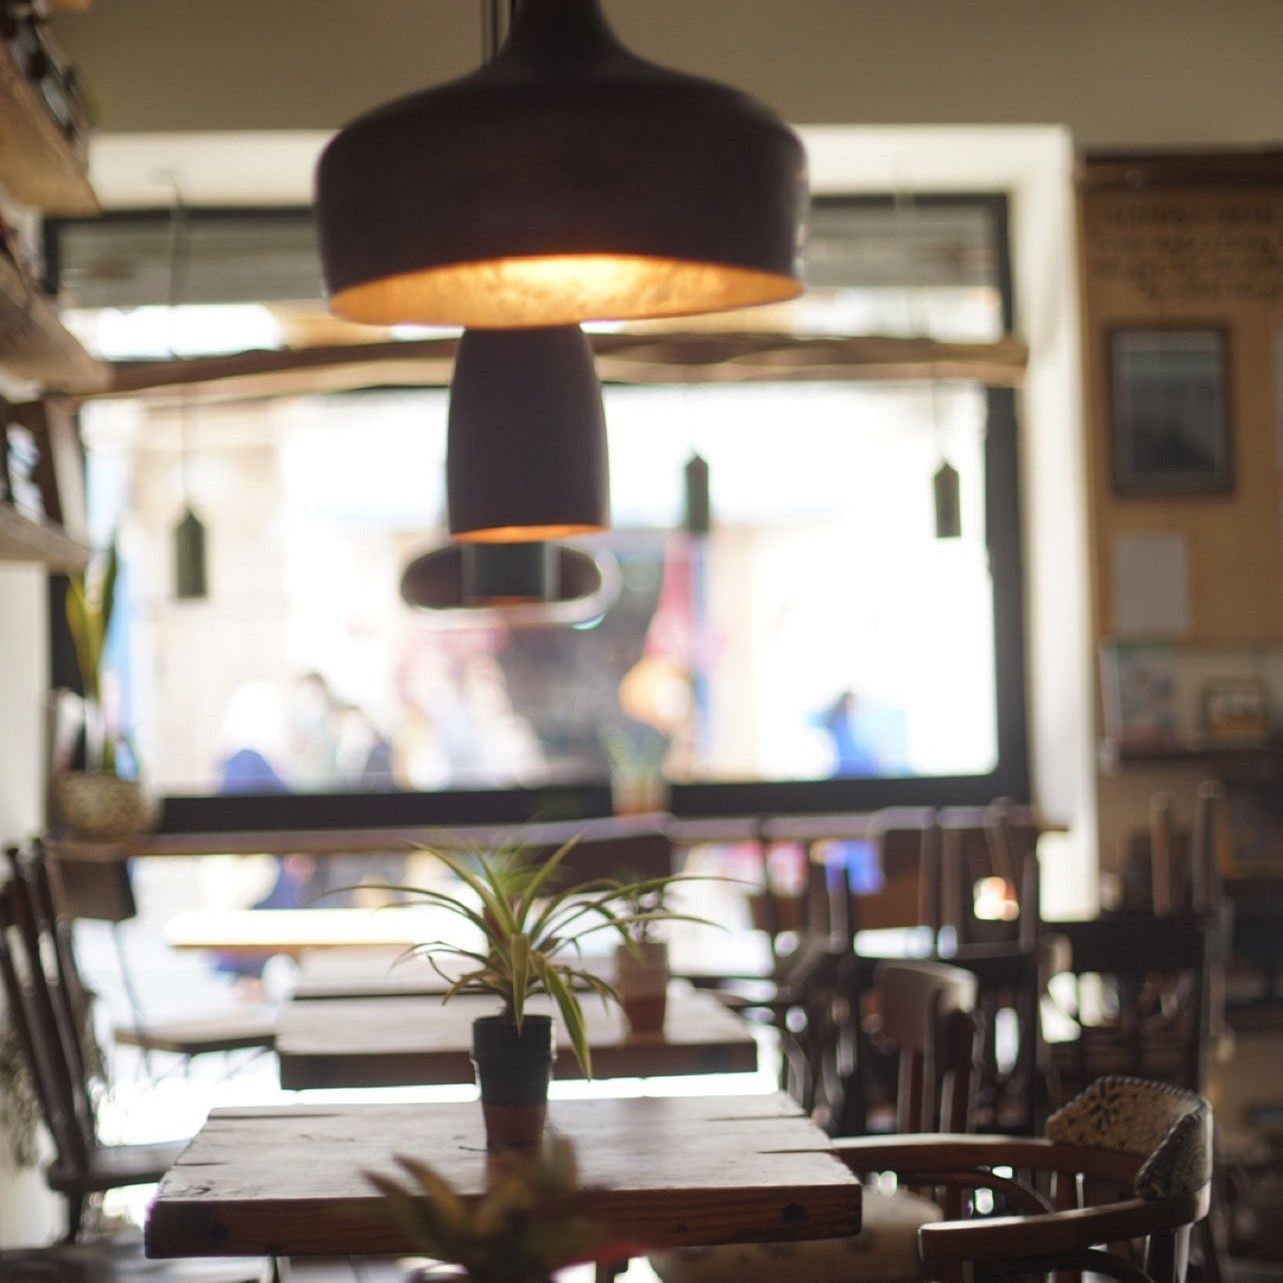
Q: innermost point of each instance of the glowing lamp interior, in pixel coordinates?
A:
(516, 293)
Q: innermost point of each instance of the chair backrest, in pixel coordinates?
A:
(1170, 1127)
(1129, 1174)
(928, 1015)
(48, 1014)
(1161, 971)
(998, 842)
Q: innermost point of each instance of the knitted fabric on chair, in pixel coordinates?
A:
(1169, 1126)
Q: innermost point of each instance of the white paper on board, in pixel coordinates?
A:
(1151, 585)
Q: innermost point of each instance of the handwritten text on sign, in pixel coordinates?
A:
(1217, 248)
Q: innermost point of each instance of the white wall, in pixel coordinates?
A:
(28, 1213)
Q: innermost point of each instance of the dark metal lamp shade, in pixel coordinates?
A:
(567, 180)
(191, 564)
(526, 444)
(581, 586)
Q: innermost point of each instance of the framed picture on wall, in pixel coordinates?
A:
(1170, 406)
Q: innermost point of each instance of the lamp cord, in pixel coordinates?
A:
(178, 257)
(496, 20)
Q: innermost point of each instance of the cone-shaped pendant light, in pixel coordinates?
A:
(579, 585)
(526, 444)
(567, 180)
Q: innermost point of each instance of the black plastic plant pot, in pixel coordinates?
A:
(513, 1068)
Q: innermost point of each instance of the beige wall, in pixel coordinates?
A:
(1113, 71)
(26, 1210)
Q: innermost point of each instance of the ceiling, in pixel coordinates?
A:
(1140, 73)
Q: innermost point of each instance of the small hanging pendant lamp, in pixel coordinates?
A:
(566, 180)
(697, 513)
(946, 484)
(460, 579)
(191, 563)
(948, 502)
(526, 443)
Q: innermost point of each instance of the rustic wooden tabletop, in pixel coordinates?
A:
(287, 1181)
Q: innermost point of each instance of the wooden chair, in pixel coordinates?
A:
(50, 1014)
(101, 891)
(1128, 1166)
(926, 1013)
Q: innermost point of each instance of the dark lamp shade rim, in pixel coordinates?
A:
(588, 584)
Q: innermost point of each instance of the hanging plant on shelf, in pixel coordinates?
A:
(99, 804)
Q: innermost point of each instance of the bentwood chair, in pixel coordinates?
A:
(1114, 1189)
(926, 1013)
(51, 1016)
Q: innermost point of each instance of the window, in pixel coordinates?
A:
(821, 649)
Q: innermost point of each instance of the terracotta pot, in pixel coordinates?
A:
(99, 807)
(643, 985)
(514, 1067)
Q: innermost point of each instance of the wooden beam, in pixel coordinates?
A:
(621, 358)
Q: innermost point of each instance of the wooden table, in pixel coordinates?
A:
(370, 973)
(414, 1041)
(294, 931)
(664, 1173)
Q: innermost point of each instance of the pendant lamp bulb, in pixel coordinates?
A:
(191, 566)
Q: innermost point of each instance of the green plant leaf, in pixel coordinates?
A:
(106, 593)
(520, 957)
(542, 877)
(572, 1015)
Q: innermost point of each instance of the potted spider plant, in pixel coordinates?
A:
(99, 803)
(531, 933)
(641, 961)
(528, 1222)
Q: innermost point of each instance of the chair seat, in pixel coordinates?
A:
(115, 1167)
(120, 1260)
(886, 1248)
(253, 1027)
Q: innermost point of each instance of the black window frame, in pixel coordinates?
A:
(731, 798)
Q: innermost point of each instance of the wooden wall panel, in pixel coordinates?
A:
(1213, 256)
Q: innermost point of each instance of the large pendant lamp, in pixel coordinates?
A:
(526, 442)
(566, 180)
(460, 579)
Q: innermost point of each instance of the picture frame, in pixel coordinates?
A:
(1236, 710)
(1138, 694)
(1170, 409)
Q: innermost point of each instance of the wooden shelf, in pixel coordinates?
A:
(38, 164)
(23, 539)
(34, 344)
(1253, 759)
